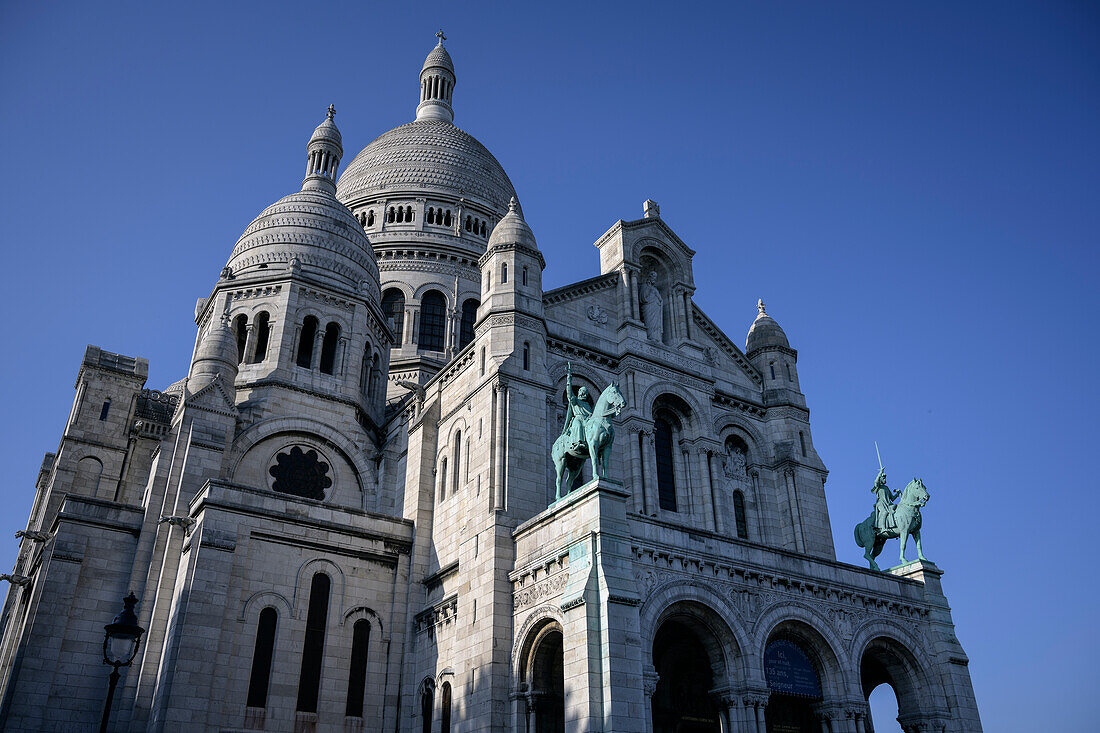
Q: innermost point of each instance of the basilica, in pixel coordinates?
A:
(366, 504)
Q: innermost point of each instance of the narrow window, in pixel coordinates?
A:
(261, 658)
(483, 229)
(313, 651)
(328, 347)
(503, 272)
(525, 276)
(433, 321)
(370, 218)
(431, 215)
(469, 316)
(447, 218)
(105, 409)
(427, 706)
(666, 483)
(526, 356)
(802, 442)
(364, 373)
(240, 330)
(357, 675)
(467, 223)
(408, 213)
(457, 463)
(445, 708)
(263, 334)
(305, 342)
(393, 306)
(771, 366)
(483, 361)
(400, 214)
(787, 364)
(739, 515)
(391, 215)
(443, 479)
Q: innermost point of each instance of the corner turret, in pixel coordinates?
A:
(323, 153)
(437, 83)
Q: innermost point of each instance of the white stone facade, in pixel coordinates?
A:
(343, 518)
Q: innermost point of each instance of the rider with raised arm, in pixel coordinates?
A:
(578, 408)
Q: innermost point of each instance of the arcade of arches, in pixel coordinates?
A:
(697, 684)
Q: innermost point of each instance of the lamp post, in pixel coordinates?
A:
(120, 645)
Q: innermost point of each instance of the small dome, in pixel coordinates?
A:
(327, 131)
(764, 332)
(215, 356)
(512, 229)
(314, 229)
(438, 58)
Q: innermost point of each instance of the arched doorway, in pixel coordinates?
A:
(546, 695)
(794, 681)
(682, 702)
(890, 680)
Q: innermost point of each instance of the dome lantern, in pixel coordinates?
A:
(437, 83)
(323, 153)
(764, 332)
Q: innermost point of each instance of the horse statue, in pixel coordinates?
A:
(906, 521)
(586, 434)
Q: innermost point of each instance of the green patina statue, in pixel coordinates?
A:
(587, 433)
(888, 521)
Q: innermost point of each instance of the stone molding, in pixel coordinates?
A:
(580, 289)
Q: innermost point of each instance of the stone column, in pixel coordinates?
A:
(758, 505)
(500, 430)
(650, 678)
(318, 342)
(682, 469)
(707, 490)
(649, 456)
(687, 315)
(340, 366)
(637, 489)
(249, 344)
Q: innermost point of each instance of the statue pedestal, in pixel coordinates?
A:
(922, 570)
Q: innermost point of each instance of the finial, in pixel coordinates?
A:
(440, 36)
(331, 111)
(651, 209)
(760, 306)
(512, 204)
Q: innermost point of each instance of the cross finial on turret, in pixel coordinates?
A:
(331, 111)
(440, 36)
(512, 205)
(760, 306)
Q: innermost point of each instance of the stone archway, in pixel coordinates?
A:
(546, 675)
(682, 701)
(801, 671)
(885, 661)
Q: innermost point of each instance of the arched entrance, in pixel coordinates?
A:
(546, 692)
(682, 702)
(793, 671)
(887, 665)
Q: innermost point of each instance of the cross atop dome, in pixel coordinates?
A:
(439, 34)
(437, 83)
(331, 111)
(760, 306)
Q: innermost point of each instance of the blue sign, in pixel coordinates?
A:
(788, 670)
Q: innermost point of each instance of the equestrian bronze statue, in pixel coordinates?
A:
(587, 433)
(888, 520)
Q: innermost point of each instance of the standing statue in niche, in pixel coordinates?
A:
(888, 520)
(652, 308)
(586, 433)
(733, 465)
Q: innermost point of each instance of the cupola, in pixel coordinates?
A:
(764, 332)
(216, 356)
(511, 268)
(323, 155)
(437, 83)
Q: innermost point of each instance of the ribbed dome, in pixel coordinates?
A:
(427, 156)
(439, 58)
(327, 130)
(512, 229)
(315, 229)
(765, 331)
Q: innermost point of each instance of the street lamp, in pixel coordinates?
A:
(120, 645)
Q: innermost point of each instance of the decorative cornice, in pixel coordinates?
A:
(580, 289)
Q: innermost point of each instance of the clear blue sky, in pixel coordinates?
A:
(911, 187)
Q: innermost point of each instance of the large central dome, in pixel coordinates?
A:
(427, 156)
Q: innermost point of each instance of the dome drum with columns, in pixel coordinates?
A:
(344, 518)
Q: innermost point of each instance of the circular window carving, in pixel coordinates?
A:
(300, 473)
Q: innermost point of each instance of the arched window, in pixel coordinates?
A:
(392, 215)
(89, 470)
(802, 441)
(313, 651)
(328, 347)
(375, 376)
(370, 218)
(443, 479)
(357, 675)
(103, 411)
(503, 272)
(468, 223)
(771, 366)
(263, 334)
(262, 655)
(433, 320)
(469, 317)
(305, 342)
(393, 305)
(483, 229)
(445, 708)
(788, 365)
(666, 483)
(482, 361)
(526, 356)
(400, 214)
(408, 213)
(447, 218)
(739, 515)
(524, 276)
(431, 215)
(240, 330)
(457, 463)
(427, 707)
(364, 372)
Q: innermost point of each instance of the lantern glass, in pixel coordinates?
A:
(120, 648)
